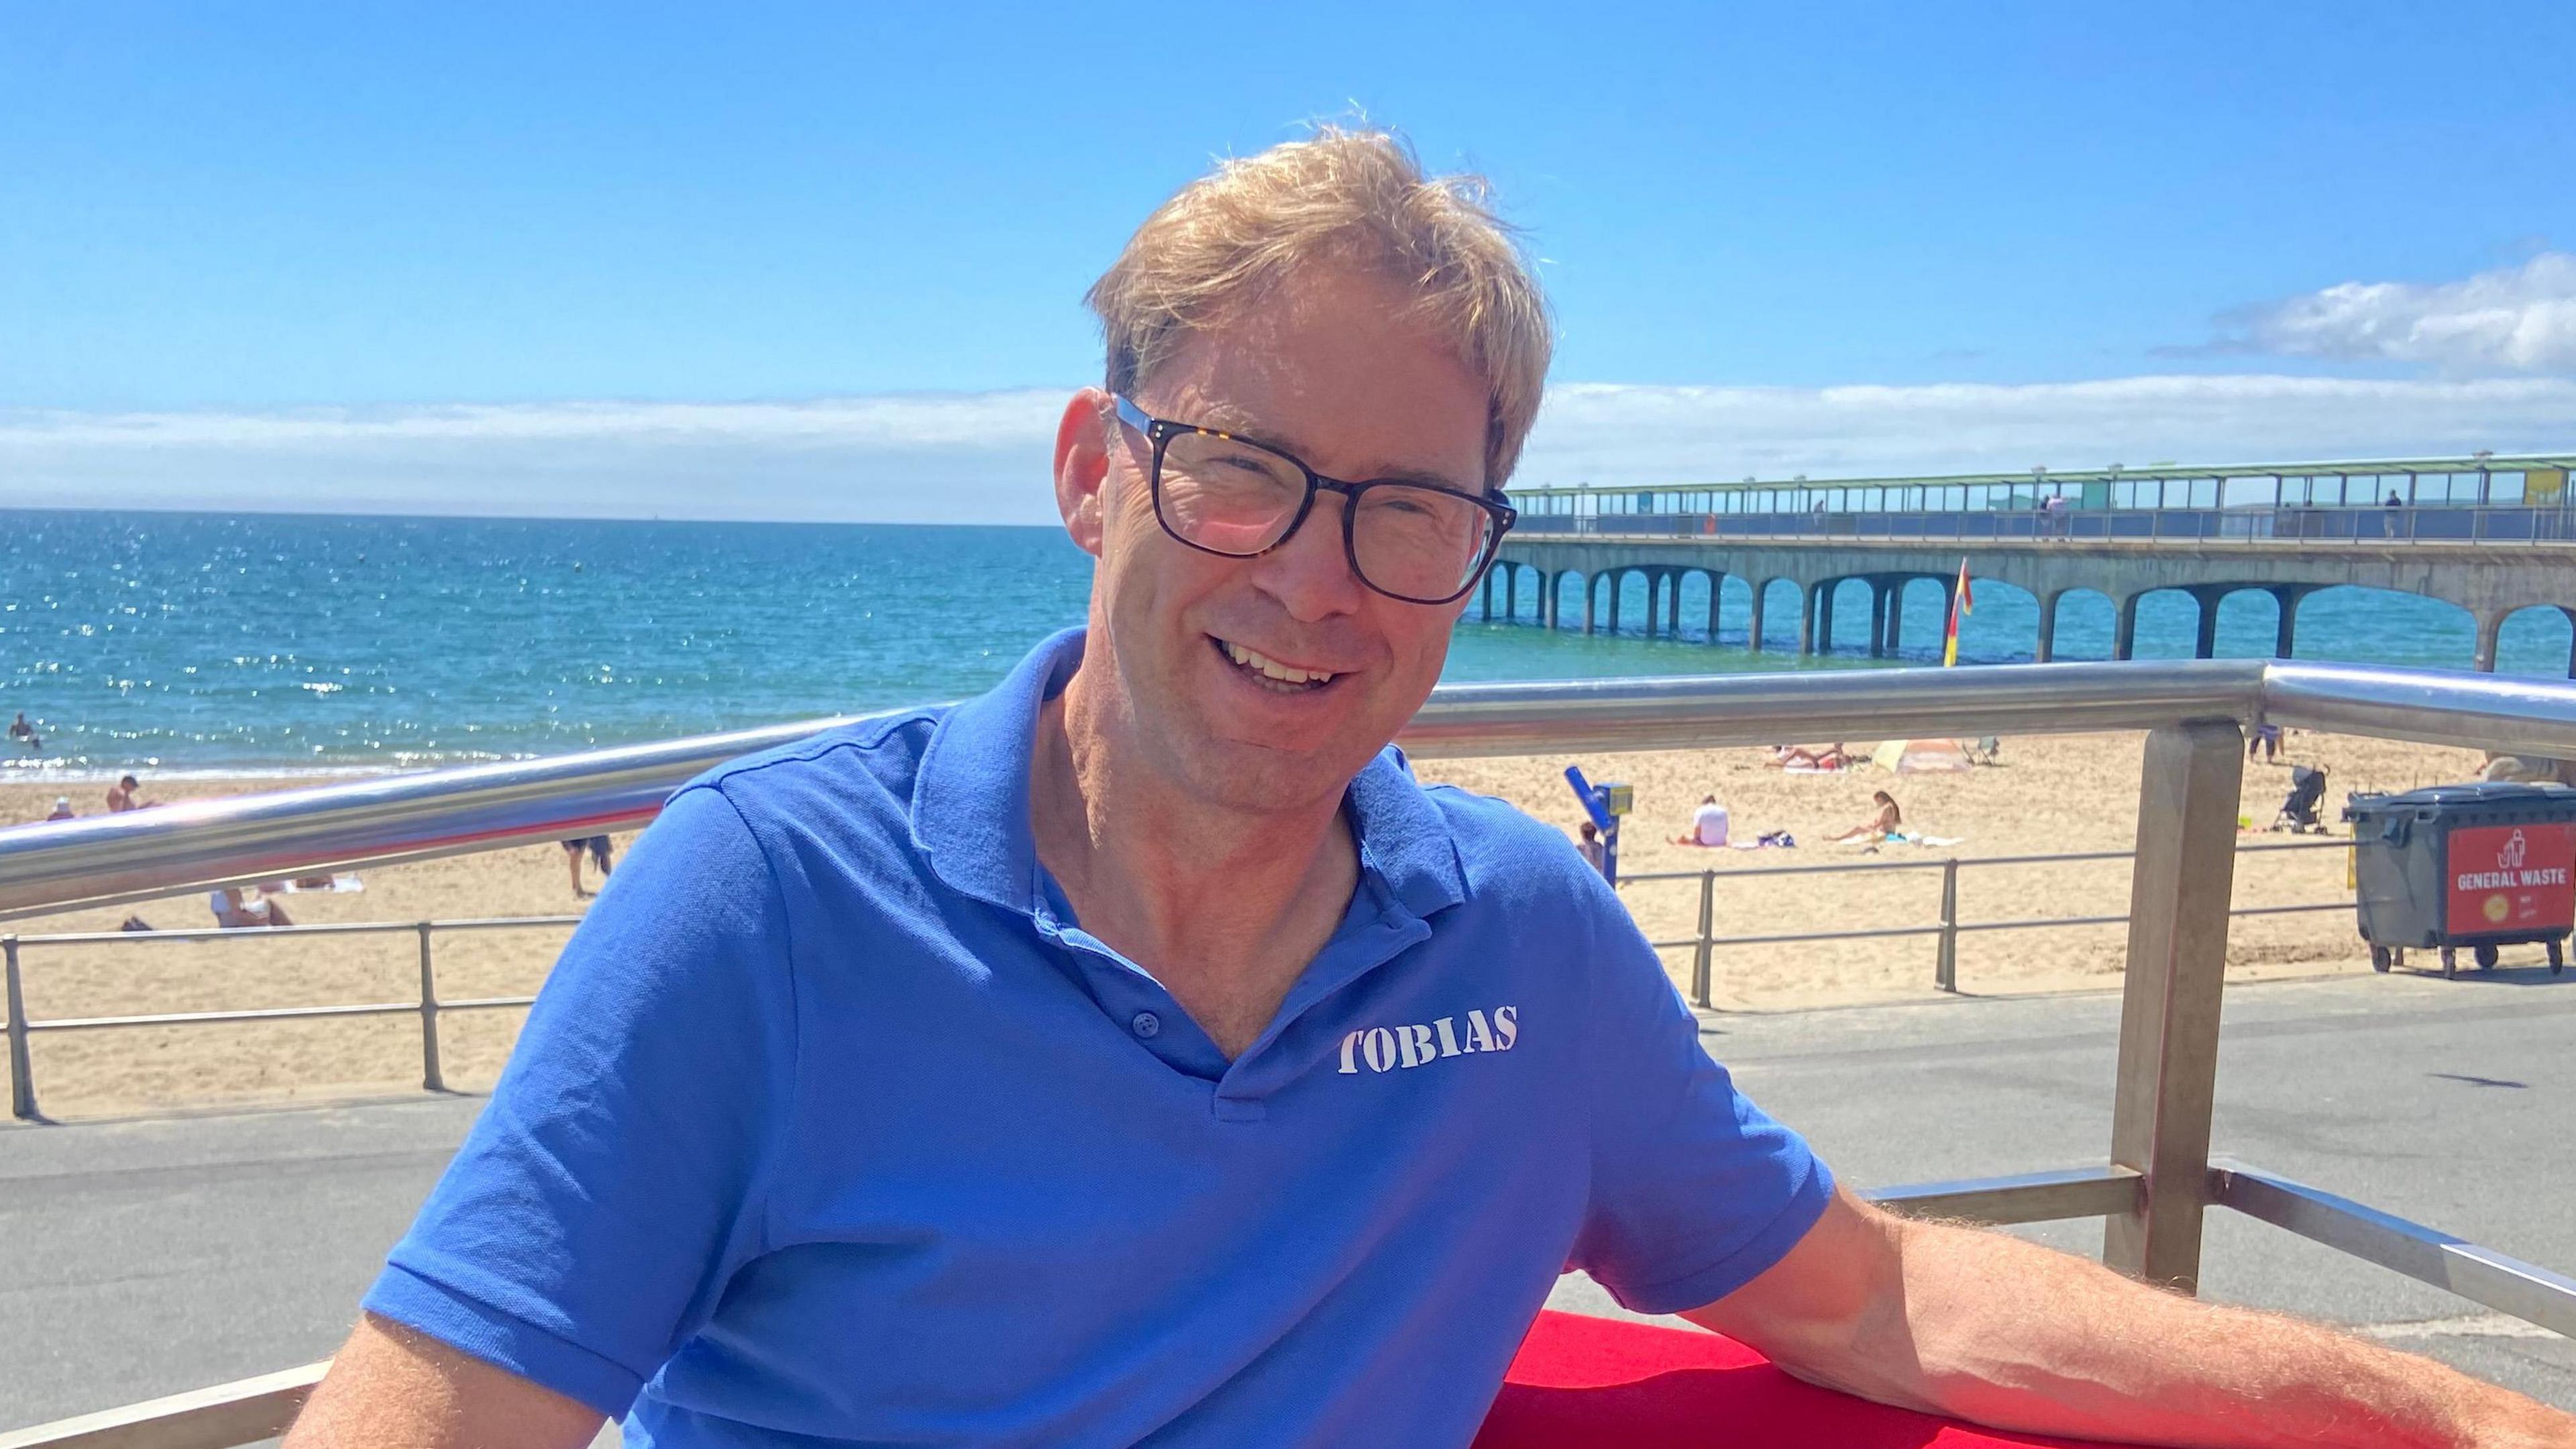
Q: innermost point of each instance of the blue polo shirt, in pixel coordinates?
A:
(833, 1127)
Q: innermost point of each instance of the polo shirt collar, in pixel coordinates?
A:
(970, 802)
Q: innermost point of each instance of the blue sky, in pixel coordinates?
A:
(825, 261)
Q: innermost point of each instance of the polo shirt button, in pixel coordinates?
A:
(1146, 1024)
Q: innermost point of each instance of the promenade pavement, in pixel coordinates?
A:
(140, 1258)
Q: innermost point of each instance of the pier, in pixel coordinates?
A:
(2491, 535)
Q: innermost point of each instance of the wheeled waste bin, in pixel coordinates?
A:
(2479, 866)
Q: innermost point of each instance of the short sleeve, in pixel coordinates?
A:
(611, 1185)
(1695, 1191)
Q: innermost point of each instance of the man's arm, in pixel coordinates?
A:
(1990, 1328)
(392, 1388)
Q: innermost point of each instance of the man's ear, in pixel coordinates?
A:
(1082, 467)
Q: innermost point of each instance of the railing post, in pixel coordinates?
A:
(431, 1079)
(22, 1067)
(1945, 970)
(1707, 919)
(2177, 968)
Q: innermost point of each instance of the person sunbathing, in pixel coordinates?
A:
(235, 912)
(1882, 826)
(1799, 757)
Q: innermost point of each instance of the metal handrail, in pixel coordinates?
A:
(1945, 967)
(428, 1006)
(200, 844)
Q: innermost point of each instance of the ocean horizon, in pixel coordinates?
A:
(272, 644)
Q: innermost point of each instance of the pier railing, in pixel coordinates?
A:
(2153, 1190)
(2500, 524)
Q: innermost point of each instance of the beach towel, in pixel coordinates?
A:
(1906, 837)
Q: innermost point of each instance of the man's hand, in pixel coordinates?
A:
(1986, 1327)
(392, 1388)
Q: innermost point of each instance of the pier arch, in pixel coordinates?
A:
(2000, 622)
(2535, 638)
(2199, 611)
(2164, 613)
(1734, 601)
(2089, 612)
(2252, 613)
(1769, 602)
(1695, 595)
(1557, 584)
(2391, 626)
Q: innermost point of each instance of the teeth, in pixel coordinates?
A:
(1272, 667)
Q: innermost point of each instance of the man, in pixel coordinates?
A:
(121, 796)
(1138, 1053)
(1708, 824)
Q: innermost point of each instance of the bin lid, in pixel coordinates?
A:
(2482, 795)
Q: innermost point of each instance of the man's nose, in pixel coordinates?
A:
(1310, 575)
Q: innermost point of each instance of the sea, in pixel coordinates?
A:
(213, 645)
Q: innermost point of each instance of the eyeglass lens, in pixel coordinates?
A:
(1239, 498)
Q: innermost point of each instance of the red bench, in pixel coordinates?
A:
(1582, 1381)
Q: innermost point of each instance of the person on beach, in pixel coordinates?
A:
(1799, 757)
(1708, 824)
(1590, 848)
(234, 912)
(62, 809)
(1138, 1052)
(598, 848)
(121, 796)
(2267, 739)
(1880, 826)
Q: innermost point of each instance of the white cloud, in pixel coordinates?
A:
(900, 457)
(983, 457)
(1609, 433)
(2516, 318)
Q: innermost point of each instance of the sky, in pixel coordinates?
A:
(826, 261)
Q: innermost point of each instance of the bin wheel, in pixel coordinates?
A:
(2450, 962)
(2380, 960)
(2486, 958)
(2557, 957)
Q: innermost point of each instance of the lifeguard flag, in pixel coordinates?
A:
(1960, 603)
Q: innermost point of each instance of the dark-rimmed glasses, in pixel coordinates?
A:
(1220, 494)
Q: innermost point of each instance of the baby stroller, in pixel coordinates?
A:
(2299, 808)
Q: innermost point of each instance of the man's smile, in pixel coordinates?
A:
(1268, 673)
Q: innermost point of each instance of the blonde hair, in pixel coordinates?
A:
(1353, 199)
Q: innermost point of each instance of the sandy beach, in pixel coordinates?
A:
(2047, 795)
